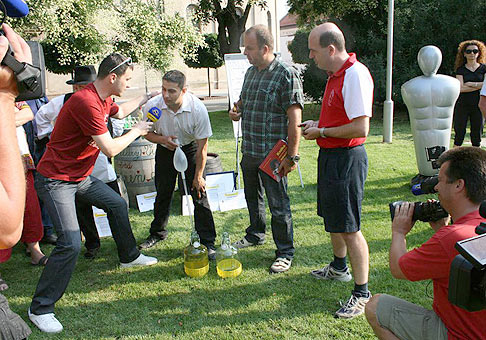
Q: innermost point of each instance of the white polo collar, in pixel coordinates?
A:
(185, 107)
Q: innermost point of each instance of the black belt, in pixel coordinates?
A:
(41, 141)
(340, 149)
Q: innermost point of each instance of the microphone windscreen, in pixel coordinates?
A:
(16, 8)
(482, 209)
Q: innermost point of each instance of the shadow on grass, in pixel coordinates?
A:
(194, 305)
(225, 305)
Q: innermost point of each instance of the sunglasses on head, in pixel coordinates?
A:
(475, 51)
(127, 61)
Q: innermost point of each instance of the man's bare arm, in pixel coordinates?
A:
(113, 146)
(12, 178)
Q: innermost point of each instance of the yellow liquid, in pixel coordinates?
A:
(196, 267)
(229, 268)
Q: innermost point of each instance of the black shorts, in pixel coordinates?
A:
(341, 176)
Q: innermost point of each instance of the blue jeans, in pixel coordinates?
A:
(39, 149)
(59, 197)
(278, 201)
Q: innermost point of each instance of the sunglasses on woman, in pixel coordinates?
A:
(475, 51)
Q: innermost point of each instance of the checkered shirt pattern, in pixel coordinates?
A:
(266, 95)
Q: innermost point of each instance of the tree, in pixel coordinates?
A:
(67, 32)
(207, 56)
(313, 79)
(152, 37)
(418, 23)
(75, 32)
(231, 20)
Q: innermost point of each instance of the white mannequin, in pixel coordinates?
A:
(430, 101)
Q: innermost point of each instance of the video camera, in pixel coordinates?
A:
(424, 211)
(29, 78)
(467, 277)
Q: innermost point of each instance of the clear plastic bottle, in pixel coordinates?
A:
(227, 263)
(196, 263)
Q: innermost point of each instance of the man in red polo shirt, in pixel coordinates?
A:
(64, 173)
(461, 189)
(343, 164)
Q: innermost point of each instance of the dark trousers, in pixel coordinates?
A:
(39, 149)
(86, 221)
(461, 115)
(256, 181)
(165, 180)
(59, 197)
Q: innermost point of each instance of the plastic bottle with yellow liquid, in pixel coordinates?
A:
(196, 263)
(227, 263)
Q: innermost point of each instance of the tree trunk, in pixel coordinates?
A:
(230, 31)
(209, 83)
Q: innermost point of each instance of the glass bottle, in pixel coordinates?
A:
(196, 263)
(227, 263)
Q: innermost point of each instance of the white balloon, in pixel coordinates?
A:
(180, 160)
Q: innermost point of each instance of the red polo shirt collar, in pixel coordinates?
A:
(347, 64)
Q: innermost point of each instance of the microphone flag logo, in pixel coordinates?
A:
(154, 114)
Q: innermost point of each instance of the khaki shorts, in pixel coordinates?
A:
(11, 325)
(409, 321)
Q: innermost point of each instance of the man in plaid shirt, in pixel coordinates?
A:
(270, 107)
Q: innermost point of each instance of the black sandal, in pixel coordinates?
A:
(42, 261)
(3, 285)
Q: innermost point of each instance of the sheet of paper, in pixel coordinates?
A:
(232, 200)
(185, 210)
(236, 65)
(101, 221)
(146, 201)
(216, 184)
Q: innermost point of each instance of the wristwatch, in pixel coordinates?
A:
(294, 159)
(322, 133)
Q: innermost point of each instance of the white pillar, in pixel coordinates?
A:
(388, 104)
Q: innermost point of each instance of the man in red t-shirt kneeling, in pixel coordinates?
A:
(461, 188)
(64, 173)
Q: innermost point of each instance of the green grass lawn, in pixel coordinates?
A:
(160, 302)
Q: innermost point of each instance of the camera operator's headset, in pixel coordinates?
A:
(28, 77)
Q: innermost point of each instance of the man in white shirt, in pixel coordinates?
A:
(183, 121)
(47, 114)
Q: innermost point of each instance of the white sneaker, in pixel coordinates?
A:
(329, 273)
(353, 307)
(244, 243)
(46, 322)
(142, 260)
(280, 265)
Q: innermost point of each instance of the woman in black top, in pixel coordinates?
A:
(470, 70)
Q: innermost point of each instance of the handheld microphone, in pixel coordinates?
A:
(153, 115)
